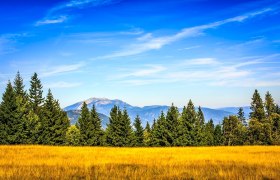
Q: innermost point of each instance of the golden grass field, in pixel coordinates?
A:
(46, 162)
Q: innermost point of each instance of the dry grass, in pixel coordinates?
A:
(46, 162)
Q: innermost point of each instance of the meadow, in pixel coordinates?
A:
(48, 162)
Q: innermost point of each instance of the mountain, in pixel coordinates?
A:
(73, 115)
(146, 113)
(234, 110)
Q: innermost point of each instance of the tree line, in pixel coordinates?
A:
(26, 117)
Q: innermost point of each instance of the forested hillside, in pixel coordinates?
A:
(26, 117)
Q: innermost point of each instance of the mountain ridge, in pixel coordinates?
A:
(146, 113)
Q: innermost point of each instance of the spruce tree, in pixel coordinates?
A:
(159, 132)
(218, 136)
(269, 104)
(199, 128)
(257, 107)
(139, 132)
(22, 109)
(8, 117)
(126, 135)
(95, 132)
(209, 133)
(54, 122)
(36, 94)
(147, 135)
(232, 131)
(171, 125)
(82, 124)
(241, 116)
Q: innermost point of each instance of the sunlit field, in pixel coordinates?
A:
(46, 162)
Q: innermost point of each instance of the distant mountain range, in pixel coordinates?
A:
(146, 113)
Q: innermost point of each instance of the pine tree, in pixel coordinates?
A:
(147, 135)
(241, 116)
(94, 131)
(257, 107)
(232, 131)
(187, 126)
(8, 121)
(209, 133)
(54, 122)
(218, 136)
(171, 125)
(22, 109)
(36, 94)
(139, 132)
(126, 135)
(269, 104)
(82, 124)
(199, 128)
(159, 132)
(277, 109)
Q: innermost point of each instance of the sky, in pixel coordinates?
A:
(144, 52)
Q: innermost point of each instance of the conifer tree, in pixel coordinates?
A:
(159, 132)
(241, 116)
(82, 124)
(209, 133)
(139, 132)
(232, 131)
(94, 129)
(257, 107)
(8, 121)
(36, 94)
(269, 104)
(22, 109)
(147, 135)
(218, 136)
(171, 125)
(54, 122)
(199, 128)
(126, 135)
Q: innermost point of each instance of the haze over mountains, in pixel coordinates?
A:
(146, 113)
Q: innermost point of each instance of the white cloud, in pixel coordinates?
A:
(155, 43)
(62, 69)
(201, 61)
(63, 84)
(56, 20)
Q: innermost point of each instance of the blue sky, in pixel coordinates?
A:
(144, 52)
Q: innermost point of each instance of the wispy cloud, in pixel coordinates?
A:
(189, 48)
(62, 69)
(209, 71)
(54, 20)
(60, 13)
(148, 42)
(63, 84)
(8, 42)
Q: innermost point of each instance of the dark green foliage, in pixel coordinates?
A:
(269, 104)
(257, 107)
(11, 123)
(54, 122)
(147, 134)
(241, 116)
(95, 132)
(82, 124)
(119, 131)
(159, 132)
(232, 131)
(218, 135)
(36, 94)
(171, 126)
(29, 119)
(209, 133)
(139, 132)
